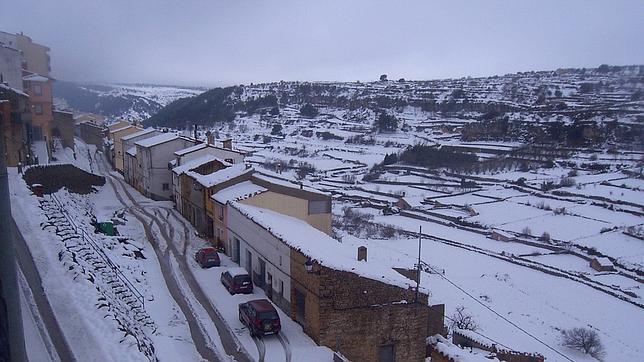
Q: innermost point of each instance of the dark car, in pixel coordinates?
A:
(260, 317)
(207, 257)
(237, 280)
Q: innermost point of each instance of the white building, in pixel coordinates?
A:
(129, 151)
(202, 149)
(152, 157)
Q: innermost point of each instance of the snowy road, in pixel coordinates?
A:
(154, 215)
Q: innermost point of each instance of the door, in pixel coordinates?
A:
(261, 277)
(249, 262)
(235, 250)
(269, 286)
(300, 308)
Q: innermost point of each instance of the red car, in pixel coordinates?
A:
(237, 280)
(260, 317)
(207, 257)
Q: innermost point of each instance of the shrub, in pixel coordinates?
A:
(277, 129)
(583, 339)
(461, 319)
(567, 182)
(386, 123)
(526, 231)
(305, 169)
(309, 110)
(545, 236)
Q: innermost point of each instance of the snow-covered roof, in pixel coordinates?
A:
(142, 132)
(505, 234)
(237, 192)
(156, 140)
(190, 149)
(319, 246)
(131, 151)
(121, 129)
(263, 175)
(604, 261)
(17, 91)
(35, 78)
(192, 164)
(236, 271)
(220, 176)
(454, 352)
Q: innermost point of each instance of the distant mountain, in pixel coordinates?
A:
(570, 106)
(133, 101)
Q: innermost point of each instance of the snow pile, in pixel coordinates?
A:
(221, 175)
(237, 192)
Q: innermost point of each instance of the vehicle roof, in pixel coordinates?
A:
(237, 271)
(262, 305)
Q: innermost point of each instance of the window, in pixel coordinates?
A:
(386, 353)
(281, 288)
(166, 187)
(37, 89)
(319, 207)
(221, 213)
(38, 108)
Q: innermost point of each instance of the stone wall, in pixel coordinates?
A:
(357, 315)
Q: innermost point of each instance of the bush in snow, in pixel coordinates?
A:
(545, 237)
(583, 339)
(461, 319)
(526, 231)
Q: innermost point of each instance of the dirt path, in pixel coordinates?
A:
(230, 343)
(30, 271)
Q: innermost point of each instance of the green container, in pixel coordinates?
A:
(106, 228)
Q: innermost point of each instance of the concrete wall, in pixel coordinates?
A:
(291, 206)
(262, 245)
(10, 67)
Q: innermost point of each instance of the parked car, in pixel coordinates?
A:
(237, 280)
(260, 317)
(207, 257)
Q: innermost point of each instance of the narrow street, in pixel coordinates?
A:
(150, 215)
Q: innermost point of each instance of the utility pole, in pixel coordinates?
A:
(420, 235)
(12, 341)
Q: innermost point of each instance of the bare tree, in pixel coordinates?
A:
(583, 339)
(461, 319)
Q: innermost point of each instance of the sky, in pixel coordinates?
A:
(215, 43)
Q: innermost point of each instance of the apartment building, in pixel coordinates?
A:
(129, 154)
(14, 115)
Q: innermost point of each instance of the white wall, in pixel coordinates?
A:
(262, 245)
(158, 172)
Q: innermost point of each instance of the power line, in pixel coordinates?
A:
(496, 313)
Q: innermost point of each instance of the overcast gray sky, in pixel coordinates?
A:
(208, 42)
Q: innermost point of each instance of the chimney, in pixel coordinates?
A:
(301, 186)
(362, 253)
(195, 132)
(211, 138)
(228, 143)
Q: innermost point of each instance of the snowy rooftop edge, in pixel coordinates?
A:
(318, 245)
(156, 140)
(237, 192)
(221, 175)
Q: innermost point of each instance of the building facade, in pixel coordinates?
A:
(14, 115)
(152, 157)
(63, 128)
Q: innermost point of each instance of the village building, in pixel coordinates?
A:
(10, 66)
(226, 154)
(152, 157)
(91, 132)
(500, 235)
(304, 203)
(196, 181)
(14, 116)
(38, 88)
(366, 311)
(63, 128)
(602, 264)
(129, 154)
(116, 136)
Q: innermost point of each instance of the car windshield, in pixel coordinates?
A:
(268, 315)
